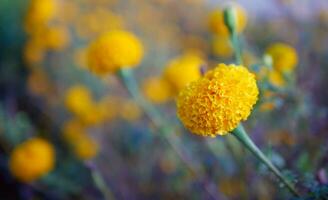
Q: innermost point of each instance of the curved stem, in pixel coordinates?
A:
(242, 136)
(155, 116)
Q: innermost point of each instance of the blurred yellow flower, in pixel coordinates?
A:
(32, 159)
(56, 37)
(221, 47)
(39, 13)
(72, 130)
(114, 50)
(216, 103)
(34, 51)
(85, 148)
(284, 57)
(157, 90)
(276, 78)
(267, 106)
(216, 21)
(78, 100)
(183, 70)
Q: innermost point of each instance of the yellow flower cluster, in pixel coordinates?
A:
(217, 25)
(114, 50)
(82, 145)
(216, 103)
(79, 101)
(32, 159)
(44, 34)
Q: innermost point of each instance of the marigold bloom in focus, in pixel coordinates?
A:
(183, 70)
(284, 57)
(217, 25)
(114, 50)
(216, 103)
(157, 90)
(32, 159)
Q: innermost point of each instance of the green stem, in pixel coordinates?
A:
(243, 137)
(155, 116)
(101, 185)
(235, 44)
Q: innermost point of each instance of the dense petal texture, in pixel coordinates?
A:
(217, 102)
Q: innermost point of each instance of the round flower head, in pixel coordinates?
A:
(79, 100)
(284, 57)
(217, 25)
(40, 12)
(32, 159)
(216, 103)
(182, 71)
(114, 50)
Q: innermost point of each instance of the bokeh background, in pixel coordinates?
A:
(119, 153)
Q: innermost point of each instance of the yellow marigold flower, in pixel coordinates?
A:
(221, 47)
(157, 90)
(216, 103)
(276, 78)
(78, 100)
(216, 21)
(85, 148)
(114, 50)
(284, 57)
(39, 13)
(32, 159)
(183, 70)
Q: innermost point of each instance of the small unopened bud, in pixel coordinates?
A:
(229, 15)
(267, 60)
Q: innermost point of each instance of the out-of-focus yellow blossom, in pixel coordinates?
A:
(75, 135)
(183, 70)
(34, 51)
(79, 100)
(221, 47)
(281, 137)
(276, 78)
(216, 103)
(56, 37)
(267, 106)
(73, 129)
(85, 148)
(130, 111)
(284, 57)
(216, 21)
(32, 159)
(39, 13)
(114, 50)
(108, 107)
(232, 187)
(157, 89)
